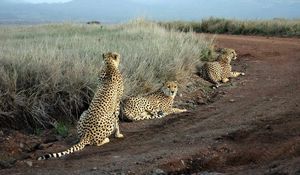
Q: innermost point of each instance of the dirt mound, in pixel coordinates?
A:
(16, 146)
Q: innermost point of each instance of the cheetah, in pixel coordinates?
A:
(101, 119)
(155, 105)
(221, 69)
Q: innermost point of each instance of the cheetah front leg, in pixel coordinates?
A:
(225, 80)
(106, 140)
(149, 114)
(117, 129)
(177, 110)
(214, 79)
(155, 114)
(236, 74)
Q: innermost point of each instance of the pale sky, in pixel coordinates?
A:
(148, 1)
(44, 1)
(152, 9)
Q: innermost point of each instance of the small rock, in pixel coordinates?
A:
(201, 101)
(268, 127)
(182, 162)
(190, 102)
(59, 137)
(189, 84)
(94, 168)
(50, 139)
(130, 173)
(44, 146)
(231, 100)
(158, 172)
(21, 145)
(29, 163)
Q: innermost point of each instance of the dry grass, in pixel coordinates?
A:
(49, 72)
(275, 27)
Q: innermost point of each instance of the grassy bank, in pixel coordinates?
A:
(275, 27)
(49, 72)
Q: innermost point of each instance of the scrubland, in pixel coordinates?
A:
(49, 72)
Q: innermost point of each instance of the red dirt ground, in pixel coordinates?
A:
(252, 126)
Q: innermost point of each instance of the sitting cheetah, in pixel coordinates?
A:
(220, 70)
(155, 105)
(101, 119)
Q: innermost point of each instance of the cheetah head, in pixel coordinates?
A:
(170, 88)
(112, 58)
(227, 54)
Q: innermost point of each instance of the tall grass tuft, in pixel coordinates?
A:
(49, 72)
(275, 27)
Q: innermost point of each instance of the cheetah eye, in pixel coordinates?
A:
(169, 86)
(175, 86)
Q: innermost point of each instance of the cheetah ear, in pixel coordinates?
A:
(219, 49)
(115, 56)
(176, 82)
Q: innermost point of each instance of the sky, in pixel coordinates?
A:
(46, 1)
(150, 1)
(84, 10)
(38, 1)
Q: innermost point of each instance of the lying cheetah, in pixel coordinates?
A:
(220, 70)
(101, 119)
(155, 105)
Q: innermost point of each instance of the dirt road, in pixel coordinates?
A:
(252, 128)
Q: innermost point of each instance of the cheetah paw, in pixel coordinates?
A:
(215, 86)
(183, 110)
(119, 135)
(106, 140)
(160, 114)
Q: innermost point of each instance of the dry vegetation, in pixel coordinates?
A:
(49, 72)
(275, 27)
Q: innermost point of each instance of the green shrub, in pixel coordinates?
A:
(62, 129)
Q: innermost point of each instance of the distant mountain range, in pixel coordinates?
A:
(113, 11)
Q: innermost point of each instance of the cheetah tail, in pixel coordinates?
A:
(79, 146)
